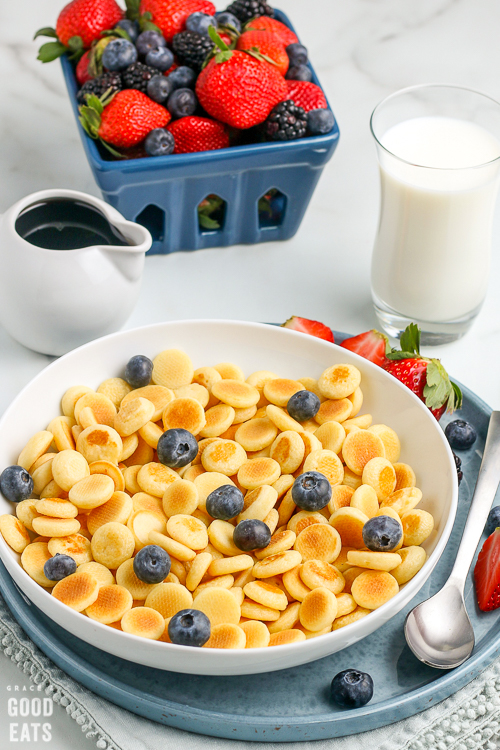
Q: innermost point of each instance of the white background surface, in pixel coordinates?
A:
(363, 50)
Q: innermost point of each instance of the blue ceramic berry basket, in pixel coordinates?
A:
(163, 193)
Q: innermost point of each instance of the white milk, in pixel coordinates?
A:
(431, 255)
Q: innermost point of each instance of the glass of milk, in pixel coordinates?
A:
(438, 148)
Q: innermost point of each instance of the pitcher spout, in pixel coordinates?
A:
(129, 259)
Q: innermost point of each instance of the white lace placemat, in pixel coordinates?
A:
(469, 720)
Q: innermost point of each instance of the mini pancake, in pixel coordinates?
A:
(243, 415)
(311, 384)
(126, 577)
(331, 436)
(77, 591)
(103, 408)
(266, 594)
(271, 520)
(224, 456)
(351, 479)
(158, 395)
(115, 389)
(294, 584)
(111, 604)
(118, 509)
(285, 637)
(186, 414)
(56, 507)
(241, 579)
(218, 419)
(349, 576)
(349, 523)
(314, 633)
(259, 378)
(219, 605)
(390, 440)
(256, 434)
(403, 500)
(172, 368)
(129, 446)
(26, 511)
(277, 564)
(231, 431)
(254, 611)
(130, 477)
(360, 446)
(339, 381)
(374, 560)
(235, 393)
(341, 497)
(348, 619)
(92, 491)
(112, 544)
(405, 476)
(34, 448)
(109, 470)
(207, 376)
(177, 567)
(286, 509)
(341, 562)
(356, 399)
(154, 478)
(283, 484)
(311, 443)
(282, 420)
(33, 558)
(379, 473)
(103, 576)
(417, 526)
(238, 594)
(316, 573)
(258, 503)
(196, 391)
(287, 619)
(42, 475)
(345, 604)
(257, 635)
(258, 471)
(202, 516)
(413, 559)
(150, 433)
(174, 548)
(230, 565)
(144, 501)
(61, 429)
(142, 455)
(363, 422)
(180, 497)
(318, 609)
(48, 526)
(76, 431)
(202, 444)
(220, 534)
(86, 419)
(68, 467)
(224, 582)
(142, 522)
(327, 463)
(334, 410)
(143, 621)
(288, 450)
(229, 371)
(100, 443)
(280, 390)
(133, 415)
(303, 519)
(71, 396)
(169, 598)
(198, 568)
(373, 588)
(226, 635)
(280, 542)
(365, 499)
(320, 541)
(208, 482)
(52, 489)
(188, 530)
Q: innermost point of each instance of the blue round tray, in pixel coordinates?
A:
(292, 705)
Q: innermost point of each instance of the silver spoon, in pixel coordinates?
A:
(439, 631)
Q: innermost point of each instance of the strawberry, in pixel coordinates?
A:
(198, 134)
(171, 15)
(123, 120)
(265, 23)
(82, 69)
(306, 95)
(239, 88)
(487, 574)
(370, 345)
(269, 46)
(426, 378)
(312, 327)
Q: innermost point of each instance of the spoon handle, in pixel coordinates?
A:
(484, 494)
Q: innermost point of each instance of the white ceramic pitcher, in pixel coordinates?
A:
(53, 300)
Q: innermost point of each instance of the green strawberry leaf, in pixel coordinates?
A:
(458, 397)
(51, 51)
(220, 43)
(206, 222)
(116, 33)
(112, 150)
(46, 31)
(410, 339)
(255, 52)
(92, 118)
(95, 103)
(146, 23)
(133, 9)
(396, 355)
(85, 125)
(75, 48)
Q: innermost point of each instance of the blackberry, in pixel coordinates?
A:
(286, 122)
(137, 76)
(458, 464)
(192, 48)
(99, 85)
(244, 10)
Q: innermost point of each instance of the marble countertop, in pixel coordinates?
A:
(362, 51)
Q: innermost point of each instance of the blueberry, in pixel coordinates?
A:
(182, 103)
(493, 520)
(149, 40)
(303, 405)
(58, 567)
(299, 73)
(159, 142)
(458, 465)
(159, 89)
(311, 491)
(352, 688)
(200, 22)
(182, 77)
(382, 533)
(177, 448)
(320, 121)
(119, 54)
(131, 27)
(224, 18)
(16, 484)
(251, 534)
(138, 371)
(297, 54)
(189, 627)
(161, 58)
(461, 434)
(225, 502)
(152, 564)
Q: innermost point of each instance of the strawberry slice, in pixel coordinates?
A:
(371, 345)
(313, 327)
(487, 574)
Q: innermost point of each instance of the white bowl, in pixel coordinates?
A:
(253, 347)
